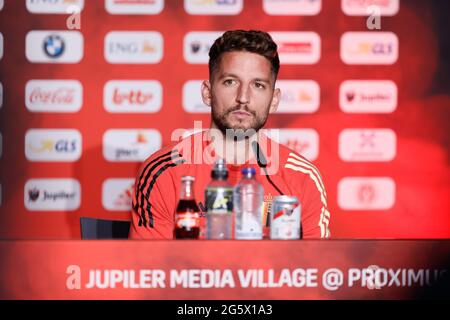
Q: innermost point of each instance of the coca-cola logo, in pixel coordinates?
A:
(62, 95)
(136, 97)
(53, 95)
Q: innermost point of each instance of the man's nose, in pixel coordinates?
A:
(243, 95)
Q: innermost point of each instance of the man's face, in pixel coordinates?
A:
(241, 92)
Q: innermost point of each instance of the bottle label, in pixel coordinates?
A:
(187, 220)
(285, 223)
(250, 227)
(219, 200)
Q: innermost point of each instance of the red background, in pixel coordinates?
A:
(420, 168)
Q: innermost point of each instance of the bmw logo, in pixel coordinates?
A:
(54, 46)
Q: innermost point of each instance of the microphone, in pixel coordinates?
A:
(262, 163)
(260, 158)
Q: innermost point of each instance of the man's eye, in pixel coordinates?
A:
(228, 82)
(259, 85)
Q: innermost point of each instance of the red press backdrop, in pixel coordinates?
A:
(382, 146)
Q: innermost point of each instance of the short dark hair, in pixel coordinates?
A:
(254, 41)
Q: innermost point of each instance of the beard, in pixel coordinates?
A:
(223, 123)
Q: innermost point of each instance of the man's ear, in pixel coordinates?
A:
(206, 92)
(275, 100)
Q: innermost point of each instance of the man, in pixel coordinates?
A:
(241, 92)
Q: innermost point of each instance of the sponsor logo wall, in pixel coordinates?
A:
(96, 102)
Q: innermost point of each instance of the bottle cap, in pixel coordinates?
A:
(248, 170)
(220, 169)
(187, 178)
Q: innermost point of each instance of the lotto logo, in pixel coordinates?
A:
(132, 96)
(302, 141)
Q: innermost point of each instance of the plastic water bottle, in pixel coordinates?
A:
(248, 199)
(219, 204)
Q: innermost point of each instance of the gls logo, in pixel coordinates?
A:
(134, 6)
(53, 145)
(213, 7)
(50, 46)
(54, 6)
(369, 47)
(133, 47)
(197, 44)
(53, 95)
(52, 195)
(134, 145)
(132, 96)
(292, 7)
